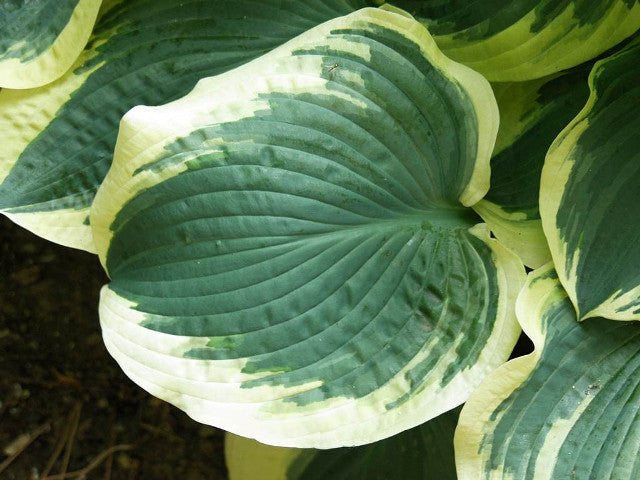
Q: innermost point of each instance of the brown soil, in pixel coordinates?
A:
(61, 391)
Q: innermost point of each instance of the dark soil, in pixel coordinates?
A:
(60, 389)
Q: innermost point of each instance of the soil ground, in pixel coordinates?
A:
(62, 392)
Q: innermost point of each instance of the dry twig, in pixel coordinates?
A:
(112, 439)
(93, 464)
(62, 441)
(74, 420)
(35, 434)
(57, 450)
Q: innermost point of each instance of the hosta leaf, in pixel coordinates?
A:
(532, 114)
(590, 190)
(525, 39)
(290, 252)
(570, 410)
(40, 40)
(424, 452)
(58, 140)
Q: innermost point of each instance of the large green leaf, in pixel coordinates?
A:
(40, 40)
(424, 452)
(516, 40)
(58, 140)
(532, 114)
(291, 254)
(590, 192)
(569, 410)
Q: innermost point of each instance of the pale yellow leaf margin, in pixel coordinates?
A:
(515, 54)
(57, 59)
(475, 423)
(24, 114)
(559, 163)
(523, 236)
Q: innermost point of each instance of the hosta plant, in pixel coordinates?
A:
(316, 217)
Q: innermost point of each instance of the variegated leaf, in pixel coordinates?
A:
(58, 140)
(40, 40)
(291, 250)
(525, 39)
(590, 192)
(569, 410)
(532, 114)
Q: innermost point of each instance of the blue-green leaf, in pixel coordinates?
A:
(532, 114)
(569, 410)
(58, 140)
(40, 40)
(525, 39)
(290, 245)
(590, 190)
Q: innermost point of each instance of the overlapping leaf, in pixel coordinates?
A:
(532, 114)
(571, 409)
(424, 452)
(40, 40)
(525, 39)
(291, 254)
(58, 140)
(590, 192)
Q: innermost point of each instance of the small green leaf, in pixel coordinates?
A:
(590, 190)
(424, 452)
(293, 257)
(569, 410)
